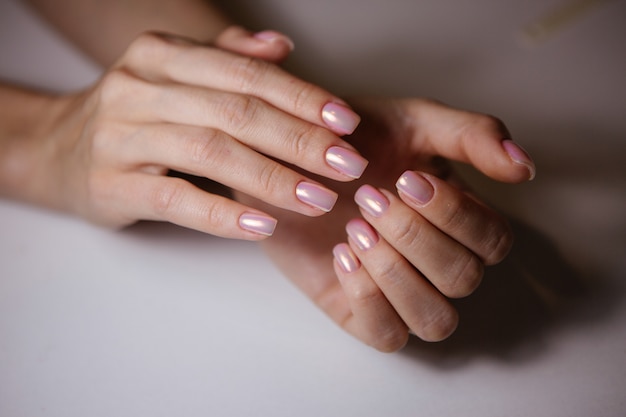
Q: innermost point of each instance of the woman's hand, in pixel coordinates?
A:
(172, 104)
(407, 253)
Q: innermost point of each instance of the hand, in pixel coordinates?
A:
(172, 104)
(408, 253)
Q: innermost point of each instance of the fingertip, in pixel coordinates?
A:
(268, 45)
(520, 157)
(273, 37)
(346, 258)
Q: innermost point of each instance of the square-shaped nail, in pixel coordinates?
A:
(316, 196)
(362, 234)
(346, 161)
(340, 118)
(258, 223)
(346, 258)
(416, 187)
(371, 200)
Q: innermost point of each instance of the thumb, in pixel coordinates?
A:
(473, 138)
(268, 45)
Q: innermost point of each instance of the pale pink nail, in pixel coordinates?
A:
(346, 161)
(272, 36)
(316, 196)
(371, 200)
(346, 258)
(362, 234)
(416, 187)
(258, 223)
(519, 156)
(340, 118)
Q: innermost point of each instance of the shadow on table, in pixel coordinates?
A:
(521, 302)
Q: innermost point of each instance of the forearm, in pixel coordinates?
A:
(103, 29)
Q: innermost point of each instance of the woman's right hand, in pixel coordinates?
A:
(173, 104)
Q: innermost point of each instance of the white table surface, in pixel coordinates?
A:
(161, 321)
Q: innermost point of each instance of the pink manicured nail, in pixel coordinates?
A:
(371, 200)
(272, 36)
(346, 161)
(340, 118)
(257, 223)
(362, 234)
(346, 258)
(316, 196)
(519, 156)
(416, 187)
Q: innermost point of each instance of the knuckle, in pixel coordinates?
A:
(167, 198)
(207, 149)
(247, 72)
(499, 243)
(389, 272)
(455, 214)
(439, 324)
(406, 233)
(391, 340)
(300, 139)
(365, 294)
(302, 97)
(144, 46)
(466, 275)
(116, 87)
(269, 178)
(237, 111)
(214, 215)
(487, 123)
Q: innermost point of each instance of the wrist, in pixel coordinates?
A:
(27, 151)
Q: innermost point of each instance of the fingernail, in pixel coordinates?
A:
(520, 156)
(362, 234)
(416, 187)
(346, 161)
(340, 118)
(257, 223)
(273, 36)
(371, 200)
(346, 259)
(316, 196)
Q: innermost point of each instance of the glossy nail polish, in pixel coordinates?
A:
(272, 36)
(362, 234)
(316, 196)
(258, 223)
(416, 187)
(346, 259)
(346, 161)
(371, 200)
(519, 156)
(340, 118)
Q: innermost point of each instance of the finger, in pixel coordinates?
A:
(267, 45)
(157, 57)
(424, 309)
(373, 319)
(253, 122)
(473, 225)
(140, 196)
(473, 138)
(448, 265)
(215, 155)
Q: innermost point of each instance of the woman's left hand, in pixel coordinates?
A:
(406, 253)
